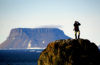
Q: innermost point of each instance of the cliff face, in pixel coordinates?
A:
(38, 37)
(70, 52)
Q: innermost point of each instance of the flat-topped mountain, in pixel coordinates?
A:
(36, 37)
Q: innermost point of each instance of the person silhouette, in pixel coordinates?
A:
(76, 29)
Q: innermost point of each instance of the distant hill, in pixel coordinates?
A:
(99, 46)
(38, 37)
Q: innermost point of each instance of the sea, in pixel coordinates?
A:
(19, 56)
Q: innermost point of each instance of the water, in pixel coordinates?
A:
(20, 57)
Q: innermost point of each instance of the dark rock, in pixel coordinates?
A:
(70, 52)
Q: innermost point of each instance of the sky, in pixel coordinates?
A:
(57, 13)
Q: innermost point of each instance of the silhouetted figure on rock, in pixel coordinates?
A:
(76, 29)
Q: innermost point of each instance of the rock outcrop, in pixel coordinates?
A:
(70, 52)
(38, 37)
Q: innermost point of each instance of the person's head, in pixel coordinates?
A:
(76, 21)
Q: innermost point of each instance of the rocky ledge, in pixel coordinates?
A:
(70, 52)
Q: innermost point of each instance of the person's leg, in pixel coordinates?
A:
(75, 35)
(78, 34)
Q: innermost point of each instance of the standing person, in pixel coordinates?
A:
(76, 29)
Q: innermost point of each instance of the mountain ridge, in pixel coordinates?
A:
(20, 37)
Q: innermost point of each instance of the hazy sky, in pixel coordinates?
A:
(34, 13)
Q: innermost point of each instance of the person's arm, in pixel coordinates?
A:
(79, 24)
